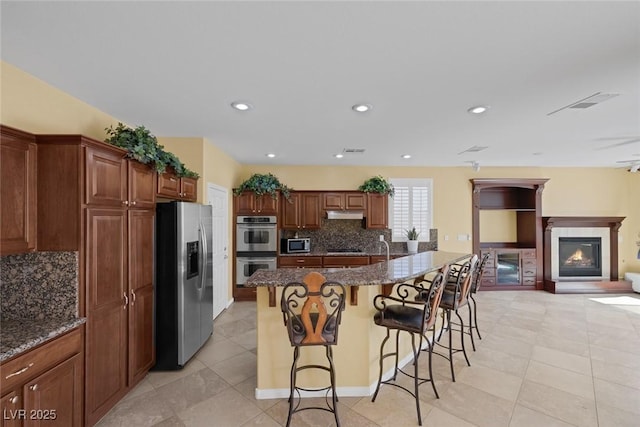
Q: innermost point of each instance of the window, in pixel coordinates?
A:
(411, 206)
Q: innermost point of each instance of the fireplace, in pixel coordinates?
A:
(579, 256)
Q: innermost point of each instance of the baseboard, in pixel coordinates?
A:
(588, 287)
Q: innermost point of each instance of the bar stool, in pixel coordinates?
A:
(452, 299)
(476, 282)
(403, 312)
(312, 311)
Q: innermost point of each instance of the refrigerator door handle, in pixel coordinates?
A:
(203, 257)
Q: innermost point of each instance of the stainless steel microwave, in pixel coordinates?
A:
(294, 246)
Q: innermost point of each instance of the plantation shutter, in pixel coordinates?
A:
(410, 207)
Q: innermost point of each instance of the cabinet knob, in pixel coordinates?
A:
(133, 203)
(14, 400)
(133, 297)
(172, 179)
(126, 301)
(125, 202)
(33, 387)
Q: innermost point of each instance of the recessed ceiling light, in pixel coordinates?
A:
(478, 109)
(271, 155)
(406, 156)
(339, 156)
(241, 106)
(361, 108)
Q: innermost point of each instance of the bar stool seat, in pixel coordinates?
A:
(312, 311)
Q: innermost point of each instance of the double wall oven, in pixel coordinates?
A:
(256, 245)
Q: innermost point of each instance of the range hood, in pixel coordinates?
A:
(345, 214)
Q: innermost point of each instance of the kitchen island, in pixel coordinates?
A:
(356, 355)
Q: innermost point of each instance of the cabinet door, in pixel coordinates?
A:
(267, 205)
(310, 212)
(18, 210)
(107, 298)
(333, 201)
(55, 397)
(290, 213)
(189, 189)
(106, 178)
(142, 185)
(508, 271)
(355, 202)
(344, 261)
(11, 405)
(377, 211)
(168, 185)
(141, 269)
(245, 203)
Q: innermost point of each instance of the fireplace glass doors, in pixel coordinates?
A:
(580, 256)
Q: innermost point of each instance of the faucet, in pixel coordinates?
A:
(386, 244)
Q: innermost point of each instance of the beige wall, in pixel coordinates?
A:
(569, 192)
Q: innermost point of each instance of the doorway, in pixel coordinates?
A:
(218, 198)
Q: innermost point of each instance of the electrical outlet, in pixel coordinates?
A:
(382, 237)
(462, 237)
(446, 237)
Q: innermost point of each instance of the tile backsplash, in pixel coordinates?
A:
(39, 285)
(349, 233)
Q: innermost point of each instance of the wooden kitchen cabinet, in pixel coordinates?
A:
(109, 219)
(299, 261)
(173, 187)
(509, 268)
(344, 261)
(248, 203)
(377, 211)
(18, 191)
(344, 200)
(301, 212)
(44, 386)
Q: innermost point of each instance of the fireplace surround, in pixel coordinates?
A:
(582, 230)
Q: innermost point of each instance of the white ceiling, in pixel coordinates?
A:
(175, 67)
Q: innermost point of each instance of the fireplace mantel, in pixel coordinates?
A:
(611, 285)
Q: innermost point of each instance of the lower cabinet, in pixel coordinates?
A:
(509, 267)
(45, 386)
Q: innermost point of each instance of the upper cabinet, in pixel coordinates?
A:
(18, 210)
(173, 187)
(301, 212)
(248, 203)
(106, 177)
(344, 201)
(377, 210)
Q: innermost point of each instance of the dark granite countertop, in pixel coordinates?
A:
(18, 336)
(395, 271)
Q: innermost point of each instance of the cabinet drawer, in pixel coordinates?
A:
(488, 272)
(528, 271)
(529, 280)
(528, 253)
(529, 262)
(302, 261)
(488, 281)
(32, 363)
(344, 261)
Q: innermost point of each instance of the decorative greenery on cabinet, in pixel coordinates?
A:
(143, 147)
(262, 184)
(377, 184)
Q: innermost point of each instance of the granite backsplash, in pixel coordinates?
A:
(350, 234)
(39, 285)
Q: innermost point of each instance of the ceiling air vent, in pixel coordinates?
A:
(354, 150)
(474, 149)
(587, 102)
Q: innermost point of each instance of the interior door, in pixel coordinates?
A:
(218, 199)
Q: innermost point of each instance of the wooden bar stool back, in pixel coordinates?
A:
(312, 311)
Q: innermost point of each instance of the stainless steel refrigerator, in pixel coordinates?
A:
(184, 287)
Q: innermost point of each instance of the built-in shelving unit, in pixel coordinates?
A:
(514, 263)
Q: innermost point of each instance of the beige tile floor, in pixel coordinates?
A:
(544, 360)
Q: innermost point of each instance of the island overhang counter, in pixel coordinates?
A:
(356, 356)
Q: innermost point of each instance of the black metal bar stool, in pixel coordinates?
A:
(312, 311)
(476, 282)
(412, 309)
(452, 299)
